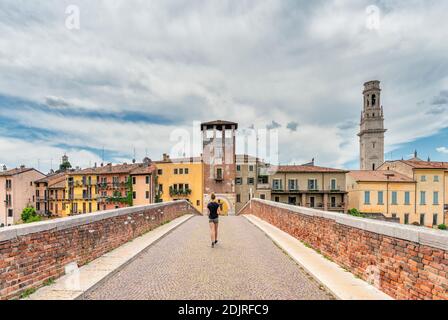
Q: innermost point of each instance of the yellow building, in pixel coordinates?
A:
(180, 179)
(386, 193)
(81, 192)
(431, 191)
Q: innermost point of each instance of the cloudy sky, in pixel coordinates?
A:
(136, 71)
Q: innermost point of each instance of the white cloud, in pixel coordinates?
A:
(255, 62)
(442, 150)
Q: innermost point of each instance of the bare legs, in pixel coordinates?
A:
(216, 231)
(212, 232)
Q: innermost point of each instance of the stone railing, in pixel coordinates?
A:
(32, 254)
(405, 262)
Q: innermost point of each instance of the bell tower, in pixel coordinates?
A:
(371, 135)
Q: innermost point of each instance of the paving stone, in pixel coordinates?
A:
(245, 264)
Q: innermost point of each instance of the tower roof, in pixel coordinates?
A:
(219, 123)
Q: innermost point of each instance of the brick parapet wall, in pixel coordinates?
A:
(32, 254)
(405, 262)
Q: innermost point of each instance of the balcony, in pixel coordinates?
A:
(263, 186)
(315, 205)
(336, 206)
(180, 193)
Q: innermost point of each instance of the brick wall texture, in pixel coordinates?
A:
(28, 261)
(400, 268)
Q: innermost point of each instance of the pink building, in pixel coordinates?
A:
(16, 193)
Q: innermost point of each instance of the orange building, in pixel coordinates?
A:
(49, 197)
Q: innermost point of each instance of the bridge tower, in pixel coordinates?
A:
(218, 142)
(371, 135)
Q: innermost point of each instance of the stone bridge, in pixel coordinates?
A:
(269, 251)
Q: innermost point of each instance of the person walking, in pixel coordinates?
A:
(214, 209)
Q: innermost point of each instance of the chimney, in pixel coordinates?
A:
(133, 160)
(22, 166)
(165, 157)
(102, 164)
(4, 167)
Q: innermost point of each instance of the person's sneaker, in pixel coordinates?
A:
(213, 244)
(216, 241)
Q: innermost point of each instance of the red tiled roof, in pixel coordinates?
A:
(15, 171)
(302, 168)
(57, 185)
(420, 164)
(144, 169)
(51, 178)
(379, 176)
(180, 160)
(109, 168)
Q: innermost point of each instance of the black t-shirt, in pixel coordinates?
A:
(213, 209)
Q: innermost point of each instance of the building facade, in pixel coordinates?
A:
(431, 179)
(180, 179)
(371, 135)
(310, 186)
(16, 193)
(387, 194)
(109, 187)
(49, 198)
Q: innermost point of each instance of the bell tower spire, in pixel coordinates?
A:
(371, 135)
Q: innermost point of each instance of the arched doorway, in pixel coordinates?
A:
(224, 204)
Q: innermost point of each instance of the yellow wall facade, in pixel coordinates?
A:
(357, 192)
(430, 182)
(166, 178)
(77, 203)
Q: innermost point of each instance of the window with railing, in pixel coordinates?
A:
(293, 185)
(312, 184)
(277, 184)
(333, 185)
(115, 181)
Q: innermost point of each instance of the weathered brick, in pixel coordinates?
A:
(407, 268)
(28, 260)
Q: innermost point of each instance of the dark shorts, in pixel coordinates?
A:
(215, 221)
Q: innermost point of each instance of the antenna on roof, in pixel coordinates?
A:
(102, 155)
(133, 159)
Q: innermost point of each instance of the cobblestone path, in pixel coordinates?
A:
(245, 264)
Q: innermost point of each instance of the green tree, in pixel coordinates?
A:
(355, 212)
(64, 166)
(29, 215)
(442, 226)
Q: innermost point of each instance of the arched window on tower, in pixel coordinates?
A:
(373, 100)
(373, 167)
(373, 144)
